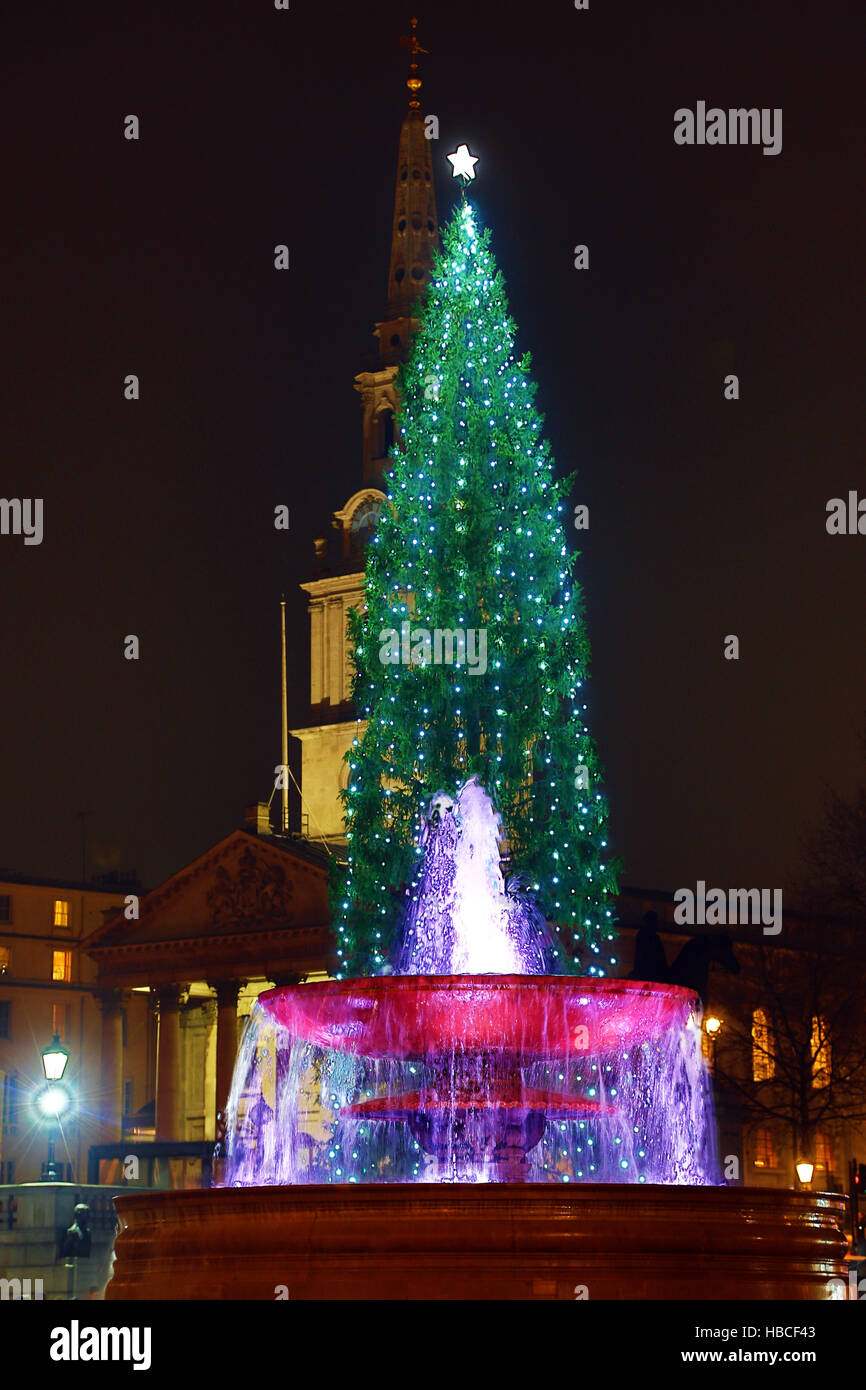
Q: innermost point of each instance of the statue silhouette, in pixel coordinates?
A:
(691, 966)
(76, 1239)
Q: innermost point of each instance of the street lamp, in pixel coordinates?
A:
(805, 1169)
(712, 1028)
(54, 1098)
(54, 1059)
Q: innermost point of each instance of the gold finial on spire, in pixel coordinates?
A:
(413, 81)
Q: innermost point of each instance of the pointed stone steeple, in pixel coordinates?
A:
(339, 583)
(414, 236)
(415, 231)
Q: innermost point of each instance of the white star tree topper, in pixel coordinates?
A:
(463, 163)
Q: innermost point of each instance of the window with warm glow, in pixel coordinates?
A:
(61, 965)
(823, 1152)
(60, 1020)
(763, 1066)
(820, 1053)
(5, 959)
(61, 913)
(765, 1150)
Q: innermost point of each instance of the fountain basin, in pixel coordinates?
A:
(529, 1016)
(490, 1241)
(497, 1078)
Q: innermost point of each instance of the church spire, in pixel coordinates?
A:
(415, 231)
(414, 237)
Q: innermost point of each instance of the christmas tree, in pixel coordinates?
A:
(471, 657)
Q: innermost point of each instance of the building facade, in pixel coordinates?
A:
(781, 1036)
(249, 914)
(48, 986)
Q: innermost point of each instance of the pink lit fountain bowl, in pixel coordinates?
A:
(474, 1035)
(523, 1017)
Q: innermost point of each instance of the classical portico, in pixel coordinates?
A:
(250, 913)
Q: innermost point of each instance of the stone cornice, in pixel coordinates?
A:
(344, 728)
(238, 955)
(334, 585)
(168, 945)
(384, 376)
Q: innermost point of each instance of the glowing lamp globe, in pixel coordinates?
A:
(804, 1172)
(713, 1025)
(54, 1059)
(52, 1101)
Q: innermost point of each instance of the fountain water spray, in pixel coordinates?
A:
(461, 920)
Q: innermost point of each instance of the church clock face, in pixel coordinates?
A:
(364, 520)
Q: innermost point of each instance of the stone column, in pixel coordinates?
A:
(168, 1097)
(111, 1065)
(227, 1040)
(226, 1051)
(334, 646)
(317, 647)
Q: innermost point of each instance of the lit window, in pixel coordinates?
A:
(60, 1020)
(61, 913)
(823, 1152)
(763, 1063)
(61, 965)
(5, 959)
(765, 1150)
(820, 1053)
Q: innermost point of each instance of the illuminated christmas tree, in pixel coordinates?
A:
(471, 658)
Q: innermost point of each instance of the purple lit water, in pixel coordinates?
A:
(472, 1063)
(461, 920)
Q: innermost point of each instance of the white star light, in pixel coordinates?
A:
(463, 163)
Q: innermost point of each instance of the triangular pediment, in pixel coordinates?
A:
(244, 885)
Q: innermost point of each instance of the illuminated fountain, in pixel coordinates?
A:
(474, 1063)
(474, 1128)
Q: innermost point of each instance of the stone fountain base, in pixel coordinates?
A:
(484, 1241)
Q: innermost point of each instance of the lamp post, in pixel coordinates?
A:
(712, 1027)
(53, 1098)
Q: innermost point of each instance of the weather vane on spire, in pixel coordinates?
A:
(413, 81)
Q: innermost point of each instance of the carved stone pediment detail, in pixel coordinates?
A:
(253, 893)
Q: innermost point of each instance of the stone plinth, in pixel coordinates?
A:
(484, 1241)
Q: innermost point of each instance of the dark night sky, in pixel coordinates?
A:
(707, 517)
